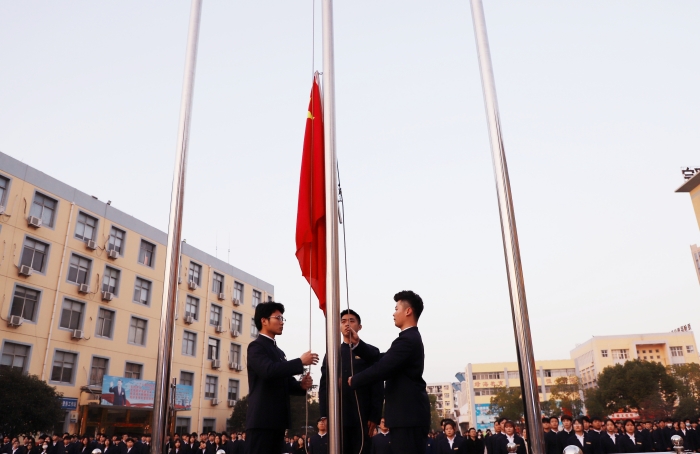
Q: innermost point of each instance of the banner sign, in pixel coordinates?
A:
(483, 416)
(130, 392)
(69, 403)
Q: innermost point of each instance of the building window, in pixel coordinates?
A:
(187, 378)
(195, 274)
(489, 376)
(238, 292)
(98, 371)
(105, 322)
(63, 367)
(213, 349)
(269, 298)
(253, 329)
(218, 284)
(4, 184)
(34, 254)
(79, 269)
(137, 331)
(192, 307)
(604, 353)
(72, 314)
(110, 282)
(215, 315)
(24, 303)
(15, 357)
(146, 253)
(547, 373)
(208, 425)
(189, 343)
(182, 425)
(676, 351)
(689, 348)
(133, 370)
(116, 240)
(86, 227)
(256, 298)
(233, 390)
(235, 354)
(142, 291)
(236, 322)
(210, 385)
(44, 207)
(620, 354)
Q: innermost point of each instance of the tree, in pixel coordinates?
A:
(595, 404)
(434, 416)
(565, 397)
(237, 421)
(27, 404)
(298, 421)
(687, 378)
(508, 403)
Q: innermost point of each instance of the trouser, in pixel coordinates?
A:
(264, 441)
(353, 441)
(409, 440)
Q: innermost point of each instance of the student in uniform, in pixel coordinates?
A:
(381, 443)
(491, 438)
(608, 438)
(550, 438)
(451, 442)
(566, 432)
(659, 437)
(580, 438)
(271, 381)
(407, 408)
(318, 444)
(631, 440)
(509, 436)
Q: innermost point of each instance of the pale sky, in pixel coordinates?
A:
(599, 108)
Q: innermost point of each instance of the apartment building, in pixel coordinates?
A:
(445, 398)
(82, 286)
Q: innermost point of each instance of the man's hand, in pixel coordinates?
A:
(309, 358)
(111, 384)
(372, 426)
(307, 382)
(350, 381)
(354, 337)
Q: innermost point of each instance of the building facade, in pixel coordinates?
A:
(599, 352)
(692, 187)
(445, 398)
(82, 286)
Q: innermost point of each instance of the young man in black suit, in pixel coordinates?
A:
(318, 443)
(370, 398)
(407, 405)
(271, 382)
(381, 443)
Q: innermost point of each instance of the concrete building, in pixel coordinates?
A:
(692, 187)
(445, 398)
(598, 352)
(82, 285)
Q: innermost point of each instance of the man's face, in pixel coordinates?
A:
(567, 425)
(202, 445)
(545, 426)
(647, 425)
(203, 437)
(185, 438)
(400, 313)
(348, 322)
(662, 424)
(382, 424)
(496, 426)
(586, 425)
(321, 425)
(211, 438)
(295, 438)
(130, 444)
(274, 324)
(553, 423)
(597, 424)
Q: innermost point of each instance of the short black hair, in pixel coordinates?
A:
(413, 299)
(351, 312)
(450, 422)
(567, 417)
(501, 420)
(545, 419)
(553, 417)
(586, 418)
(596, 418)
(265, 310)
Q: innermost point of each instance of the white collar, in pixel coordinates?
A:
(322, 435)
(272, 339)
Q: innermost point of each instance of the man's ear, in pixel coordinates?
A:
(359, 327)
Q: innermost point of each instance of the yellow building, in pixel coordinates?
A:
(599, 352)
(82, 285)
(445, 398)
(483, 380)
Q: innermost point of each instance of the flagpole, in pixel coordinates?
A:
(172, 257)
(509, 234)
(332, 267)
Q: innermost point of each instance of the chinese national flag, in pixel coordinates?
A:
(311, 213)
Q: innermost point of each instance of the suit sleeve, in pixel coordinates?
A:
(376, 402)
(266, 368)
(323, 389)
(368, 352)
(385, 365)
(295, 388)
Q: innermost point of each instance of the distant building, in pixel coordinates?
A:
(445, 402)
(692, 187)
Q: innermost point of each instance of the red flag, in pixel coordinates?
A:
(311, 214)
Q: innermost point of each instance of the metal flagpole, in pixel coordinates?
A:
(511, 249)
(332, 267)
(172, 257)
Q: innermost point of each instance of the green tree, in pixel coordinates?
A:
(508, 403)
(237, 421)
(595, 404)
(565, 397)
(298, 410)
(434, 415)
(27, 404)
(687, 378)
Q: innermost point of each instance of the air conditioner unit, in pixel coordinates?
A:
(78, 334)
(222, 296)
(34, 221)
(231, 403)
(107, 296)
(235, 333)
(232, 365)
(84, 288)
(216, 364)
(113, 254)
(236, 302)
(91, 244)
(192, 285)
(189, 319)
(219, 328)
(15, 320)
(239, 368)
(214, 402)
(25, 270)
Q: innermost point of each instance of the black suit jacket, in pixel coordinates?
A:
(500, 445)
(661, 443)
(550, 443)
(625, 443)
(271, 382)
(563, 439)
(589, 444)
(491, 440)
(607, 445)
(381, 444)
(370, 397)
(318, 444)
(474, 446)
(442, 446)
(407, 403)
